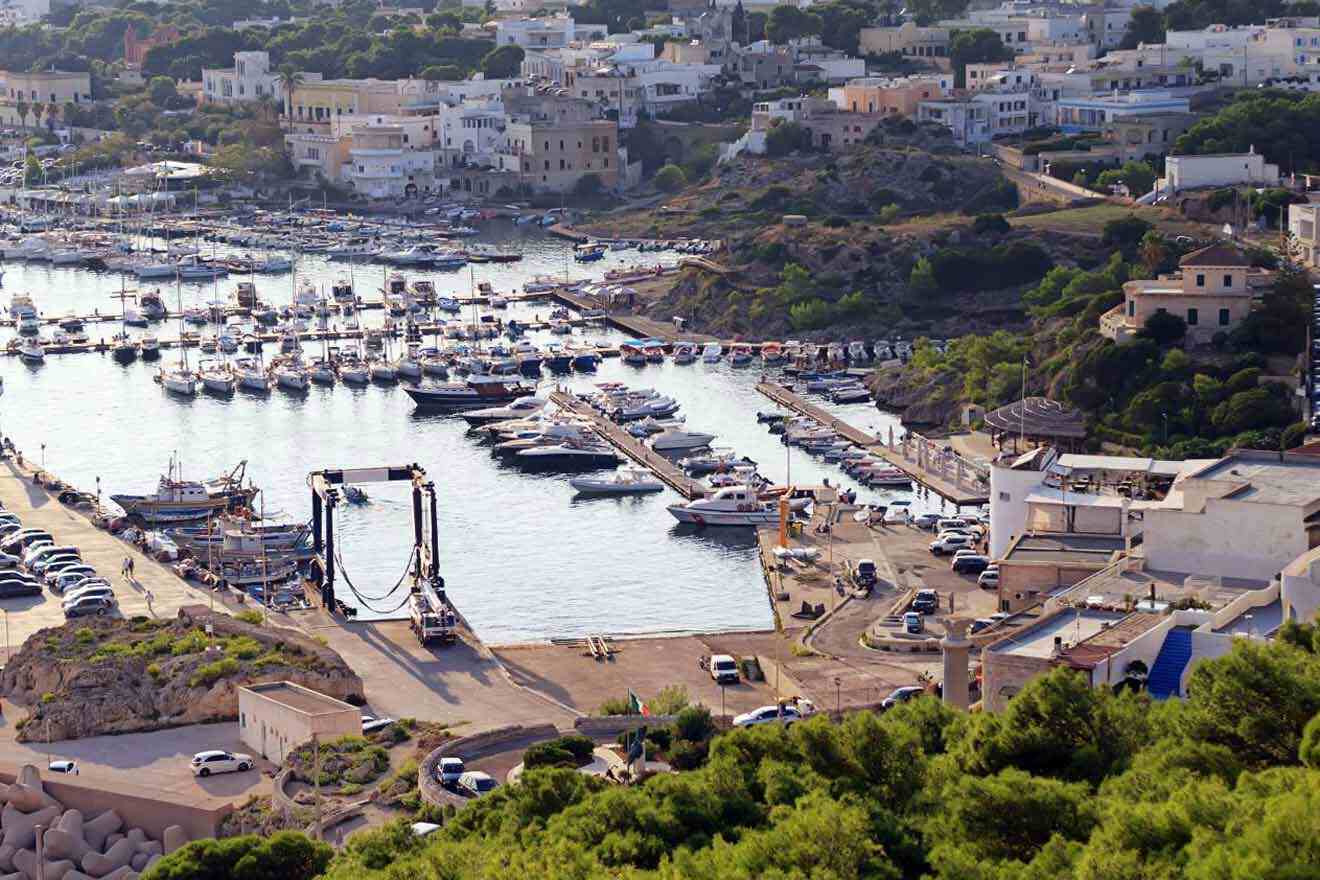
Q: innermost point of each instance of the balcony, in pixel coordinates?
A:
(1114, 325)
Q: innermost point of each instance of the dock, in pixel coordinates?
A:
(665, 470)
(928, 462)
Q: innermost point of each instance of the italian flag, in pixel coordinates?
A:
(637, 706)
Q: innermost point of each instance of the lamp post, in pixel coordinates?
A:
(723, 714)
(838, 696)
(43, 456)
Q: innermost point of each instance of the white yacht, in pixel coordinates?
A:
(29, 325)
(179, 380)
(730, 506)
(291, 376)
(626, 480)
(31, 350)
(518, 409)
(676, 439)
(712, 353)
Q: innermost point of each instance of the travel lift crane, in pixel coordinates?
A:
(433, 619)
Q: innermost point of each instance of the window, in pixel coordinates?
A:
(1223, 317)
(1192, 317)
(1132, 308)
(1004, 496)
(1228, 280)
(1200, 281)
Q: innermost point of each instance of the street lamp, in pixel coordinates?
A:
(723, 714)
(838, 696)
(43, 456)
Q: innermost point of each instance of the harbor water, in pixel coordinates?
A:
(523, 557)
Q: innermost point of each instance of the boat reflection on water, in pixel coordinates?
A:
(735, 540)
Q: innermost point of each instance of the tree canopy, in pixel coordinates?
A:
(979, 46)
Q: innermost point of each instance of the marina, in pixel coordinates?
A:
(538, 521)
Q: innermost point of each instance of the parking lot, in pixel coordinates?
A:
(154, 590)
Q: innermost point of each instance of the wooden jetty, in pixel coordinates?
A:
(665, 470)
(960, 482)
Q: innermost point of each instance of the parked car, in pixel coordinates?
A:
(979, 624)
(949, 543)
(952, 522)
(89, 589)
(54, 577)
(926, 520)
(58, 766)
(724, 669)
(37, 553)
(914, 623)
(9, 527)
(971, 564)
(926, 602)
(56, 561)
(785, 715)
(211, 762)
(989, 579)
(476, 783)
(71, 580)
(88, 606)
(16, 589)
(901, 695)
(449, 770)
(865, 573)
(20, 539)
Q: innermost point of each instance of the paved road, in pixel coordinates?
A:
(39, 509)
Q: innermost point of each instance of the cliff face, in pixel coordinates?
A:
(115, 676)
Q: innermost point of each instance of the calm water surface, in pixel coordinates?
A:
(523, 557)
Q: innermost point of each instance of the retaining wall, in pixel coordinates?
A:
(469, 748)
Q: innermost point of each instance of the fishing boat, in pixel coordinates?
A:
(179, 500)
(626, 480)
(589, 253)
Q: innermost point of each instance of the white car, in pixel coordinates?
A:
(476, 783)
(988, 579)
(450, 770)
(84, 590)
(70, 767)
(212, 762)
(941, 546)
(8, 560)
(773, 714)
(724, 669)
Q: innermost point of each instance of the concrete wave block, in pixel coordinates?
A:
(98, 829)
(139, 862)
(7, 857)
(117, 856)
(62, 844)
(26, 861)
(150, 848)
(151, 861)
(124, 873)
(136, 836)
(20, 828)
(174, 838)
(112, 839)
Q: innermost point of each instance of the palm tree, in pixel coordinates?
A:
(52, 109)
(288, 79)
(38, 109)
(22, 108)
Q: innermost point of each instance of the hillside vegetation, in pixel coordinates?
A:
(1069, 783)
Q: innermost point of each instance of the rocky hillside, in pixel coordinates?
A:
(102, 676)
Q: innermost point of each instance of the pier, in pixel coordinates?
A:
(934, 465)
(665, 470)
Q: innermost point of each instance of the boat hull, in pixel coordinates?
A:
(722, 517)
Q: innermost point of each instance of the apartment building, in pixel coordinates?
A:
(552, 142)
(1304, 227)
(930, 44)
(1095, 112)
(381, 165)
(1221, 169)
(980, 116)
(315, 104)
(546, 32)
(50, 89)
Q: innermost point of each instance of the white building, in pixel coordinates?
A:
(21, 12)
(979, 117)
(1304, 226)
(1220, 169)
(381, 166)
(547, 32)
(250, 79)
(1093, 113)
(277, 717)
(470, 132)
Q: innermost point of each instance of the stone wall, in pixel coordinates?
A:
(469, 748)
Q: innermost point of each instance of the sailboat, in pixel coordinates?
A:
(122, 348)
(180, 379)
(217, 377)
(322, 369)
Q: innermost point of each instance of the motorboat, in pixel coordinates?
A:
(850, 394)
(150, 348)
(586, 360)
(31, 351)
(626, 480)
(714, 461)
(569, 455)
(447, 304)
(886, 478)
(29, 325)
(676, 440)
(589, 253)
(740, 355)
(631, 353)
(857, 352)
(227, 343)
(713, 353)
(477, 392)
(772, 353)
(71, 322)
(123, 349)
(153, 307)
(729, 506)
(517, 409)
(654, 351)
(684, 353)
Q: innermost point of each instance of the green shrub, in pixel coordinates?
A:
(48, 697)
(573, 750)
(153, 669)
(670, 700)
(615, 706)
(694, 723)
(193, 643)
(253, 617)
(670, 179)
(209, 674)
(84, 636)
(113, 649)
(243, 648)
(886, 214)
(684, 754)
